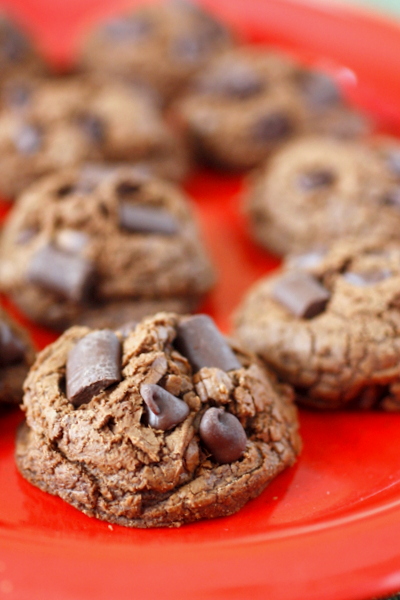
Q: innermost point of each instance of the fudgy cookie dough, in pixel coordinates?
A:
(174, 425)
(67, 121)
(18, 58)
(161, 45)
(101, 250)
(329, 324)
(16, 356)
(316, 190)
(250, 101)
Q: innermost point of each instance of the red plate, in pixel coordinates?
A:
(327, 528)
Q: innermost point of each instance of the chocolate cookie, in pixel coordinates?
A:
(316, 190)
(160, 45)
(103, 251)
(165, 426)
(329, 324)
(249, 101)
(18, 58)
(64, 122)
(16, 356)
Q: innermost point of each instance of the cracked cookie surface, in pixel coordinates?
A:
(102, 248)
(346, 352)
(249, 102)
(108, 461)
(65, 122)
(315, 191)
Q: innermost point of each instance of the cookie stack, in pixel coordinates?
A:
(140, 414)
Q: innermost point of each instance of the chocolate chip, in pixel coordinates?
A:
(93, 364)
(199, 340)
(301, 294)
(223, 435)
(93, 127)
(366, 278)
(273, 127)
(392, 198)
(238, 81)
(69, 275)
(164, 410)
(313, 180)
(28, 139)
(147, 219)
(319, 89)
(393, 162)
(25, 235)
(12, 349)
(65, 190)
(128, 29)
(71, 240)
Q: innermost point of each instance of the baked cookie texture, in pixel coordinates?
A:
(18, 57)
(249, 101)
(66, 121)
(221, 433)
(316, 190)
(99, 248)
(161, 45)
(16, 356)
(329, 324)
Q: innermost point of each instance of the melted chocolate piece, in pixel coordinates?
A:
(147, 219)
(223, 435)
(238, 81)
(366, 278)
(69, 275)
(392, 198)
(319, 89)
(93, 364)
(128, 29)
(203, 345)
(301, 294)
(315, 179)
(93, 128)
(12, 349)
(28, 139)
(164, 410)
(272, 127)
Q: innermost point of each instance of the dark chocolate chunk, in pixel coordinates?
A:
(315, 179)
(147, 219)
(28, 139)
(12, 349)
(272, 127)
(128, 29)
(69, 275)
(223, 435)
(319, 89)
(393, 162)
(93, 127)
(164, 410)
(301, 294)
(392, 198)
(365, 278)
(93, 364)
(239, 81)
(199, 340)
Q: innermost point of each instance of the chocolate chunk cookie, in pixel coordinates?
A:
(16, 356)
(249, 101)
(317, 190)
(165, 426)
(81, 248)
(329, 324)
(160, 45)
(18, 58)
(64, 122)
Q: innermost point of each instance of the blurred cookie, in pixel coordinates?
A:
(168, 425)
(329, 324)
(18, 58)
(102, 251)
(64, 122)
(250, 101)
(316, 190)
(16, 356)
(161, 45)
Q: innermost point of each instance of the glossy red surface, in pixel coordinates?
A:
(327, 528)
